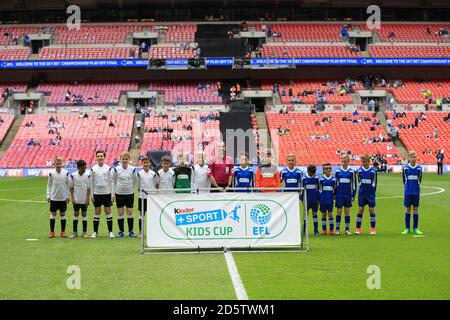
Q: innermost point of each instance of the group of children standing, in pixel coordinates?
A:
(104, 185)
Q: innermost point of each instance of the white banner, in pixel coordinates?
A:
(216, 220)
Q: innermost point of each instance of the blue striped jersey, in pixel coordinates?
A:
(412, 178)
(327, 188)
(367, 179)
(345, 182)
(243, 178)
(311, 185)
(291, 178)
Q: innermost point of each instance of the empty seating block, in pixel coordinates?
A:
(14, 87)
(204, 135)
(313, 32)
(16, 32)
(14, 54)
(421, 139)
(86, 53)
(307, 51)
(163, 52)
(5, 123)
(80, 138)
(411, 92)
(343, 136)
(94, 93)
(410, 52)
(311, 87)
(187, 92)
(411, 32)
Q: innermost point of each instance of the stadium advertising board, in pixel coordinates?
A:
(123, 63)
(216, 220)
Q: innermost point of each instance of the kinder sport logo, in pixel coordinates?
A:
(188, 216)
(260, 214)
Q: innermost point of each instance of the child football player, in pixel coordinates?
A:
(58, 196)
(367, 178)
(327, 188)
(166, 175)
(345, 193)
(182, 173)
(412, 178)
(291, 176)
(124, 181)
(310, 183)
(147, 182)
(201, 176)
(267, 175)
(242, 176)
(101, 186)
(79, 190)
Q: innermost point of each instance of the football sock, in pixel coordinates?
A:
(96, 222)
(407, 220)
(415, 220)
(63, 223)
(130, 223)
(324, 224)
(373, 220)
(109, 222)
(52, 223)
(338, 222)
(331, 223)
(75, 224)
(316, 224)
(120, 223)
(84, 224)
(358, 220)
(347, 222)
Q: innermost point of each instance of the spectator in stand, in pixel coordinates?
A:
(138, 125)
(435, 132)
(391, 35)
(344, 33)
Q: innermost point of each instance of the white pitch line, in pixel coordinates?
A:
(241, 294)
(16, 200)
(20, 189)
(440, 190)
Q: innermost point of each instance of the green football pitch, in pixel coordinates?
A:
(410, 267)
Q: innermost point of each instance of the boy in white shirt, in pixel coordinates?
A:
(147, 182)
(124, 180)
(80, 192)
(58, 195)
(166, 176)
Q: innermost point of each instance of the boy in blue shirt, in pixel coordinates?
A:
(367, 178)
(345, 193)
(291, 176)
(310, 182)
(412, 178)
(242, 176)
(327, 188)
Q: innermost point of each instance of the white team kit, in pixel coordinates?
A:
(166, 180)
(100, 180)
(200, 178)
(80, 185)
(58, 185)
(147, 181)
(124, 179)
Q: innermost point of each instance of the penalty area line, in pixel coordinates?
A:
(241, 294)
(439, 190)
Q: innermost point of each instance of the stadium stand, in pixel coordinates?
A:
(314, 140)
(421, 138)
(5, 123)
(93, 93)
(49, 53)
(188, 132)
(306, 91)
(411, 32)
(9, 88)
(163, 52)
(182, 92)
(396, 51)
(14, 54)
(416, 92)
(307, 51)
(80, 137)
(311, 32)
